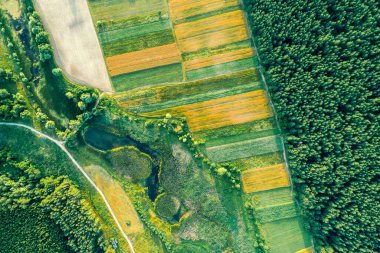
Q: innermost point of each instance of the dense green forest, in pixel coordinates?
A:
(321, 62)
(53, 209)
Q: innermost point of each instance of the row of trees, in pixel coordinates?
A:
(321, 59)
(23, 186)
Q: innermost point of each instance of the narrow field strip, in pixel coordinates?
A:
(114, 9)
(209, 25)
(221, 69)
(163, 93)
(240, 137)
(144, 59)
(266, 178)
(213, 39)
(220, 112)
(217, 59)
(277, 212)
(163, 74)
(278, 196)
(138, 43)
(258, 161)
(195, 98)
(133, 31)
(244, 149)
(188, 8)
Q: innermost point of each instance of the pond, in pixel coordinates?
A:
(104, 141)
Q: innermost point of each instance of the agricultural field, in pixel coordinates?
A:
(80, 57)
(226, 106)
(138, 42)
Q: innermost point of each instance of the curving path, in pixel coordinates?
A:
(61, 145)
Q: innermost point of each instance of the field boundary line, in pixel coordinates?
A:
(61, 145)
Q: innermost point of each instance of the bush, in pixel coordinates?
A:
(130, 162)
(167, 206)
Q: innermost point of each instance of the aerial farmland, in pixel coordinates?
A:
(178, 126)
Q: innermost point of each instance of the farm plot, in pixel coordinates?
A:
(165, 74)
(243, 149)
(138, 42)
(266, 178)
(152, 96)
(278, 196)
(116, 9)
(144, 59)
(183, 10)
(76, 47)
(217, 59)
(210, 32)
(277, 212)
(220, 112)
(135, 33)
(286, 235)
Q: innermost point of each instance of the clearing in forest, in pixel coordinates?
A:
(76, 47)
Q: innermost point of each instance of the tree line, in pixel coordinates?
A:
(321, 62)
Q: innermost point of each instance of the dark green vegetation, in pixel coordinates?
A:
(194, 211)
(130, 162)
(30, 230)
(322, 62)
(24, 187)
(52, 164)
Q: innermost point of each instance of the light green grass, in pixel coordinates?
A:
(115, 9)
(272, 197)
(221, 69)
(165, 74)
(286, 236)
(239, 129)
(5, 62)
(244, 149)
(241, 137)
(137, 43)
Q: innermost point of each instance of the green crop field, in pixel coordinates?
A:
(116, 9)
(243, 149)
(165, 74)
(220, 69)
(286, 235)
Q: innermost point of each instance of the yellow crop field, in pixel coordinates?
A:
(221, 112)
(307, 250)
(211, 32)
(261, 179)
(188, 8)
(208, 25)
(144, 59)
(217, 59)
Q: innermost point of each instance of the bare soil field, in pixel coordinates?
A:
(76, 46)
